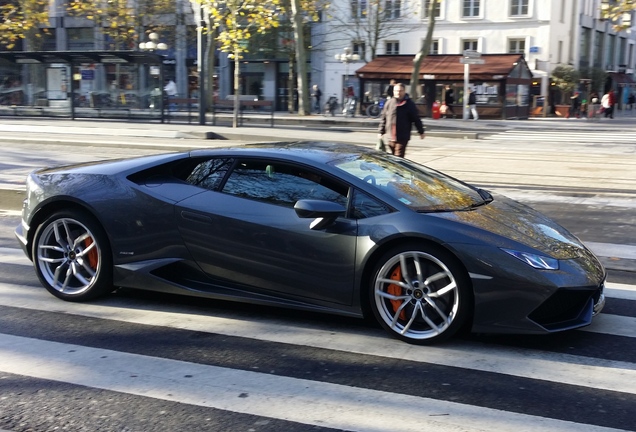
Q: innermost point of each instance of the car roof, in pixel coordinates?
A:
(314, 152)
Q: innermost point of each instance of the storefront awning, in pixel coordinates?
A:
(622, 79)
(439, 67)
(79, 57)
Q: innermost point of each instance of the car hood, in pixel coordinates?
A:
(518, 222)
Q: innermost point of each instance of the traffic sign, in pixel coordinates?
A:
(472, 54)
(468, 60)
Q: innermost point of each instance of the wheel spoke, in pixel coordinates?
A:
(410, 322)
(78, 241)
(401, 284)
(432, 304)
(78, 274)
(431, 324)
(389, 296)
(443, 291)
(404, 268)
(397, 313)
(435, 277)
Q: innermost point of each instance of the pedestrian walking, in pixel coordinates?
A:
(575, 106)
(607, 102)
(389, 89)
(316, 94)
(472, 104)
(449, 100)
(397, 120)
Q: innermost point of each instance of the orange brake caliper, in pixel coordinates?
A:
(396, 290)
(92, 254)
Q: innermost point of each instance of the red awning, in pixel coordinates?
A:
(442, 67)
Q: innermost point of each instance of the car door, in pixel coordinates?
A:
(247, 234)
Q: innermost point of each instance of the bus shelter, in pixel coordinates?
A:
(502, 83)
(82, 84)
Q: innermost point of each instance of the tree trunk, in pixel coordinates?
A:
(210, 61)
(290, 84)
(237, 82)
(426, 48)
(301, 59)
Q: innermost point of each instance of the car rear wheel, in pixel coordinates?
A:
(72, 256)
(420, 295)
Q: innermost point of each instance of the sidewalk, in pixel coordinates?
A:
(293, 126)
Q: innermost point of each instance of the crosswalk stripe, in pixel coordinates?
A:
(555, 367)
(303, 401)
(561, 136)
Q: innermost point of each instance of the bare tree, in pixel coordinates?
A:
(369, 22)
(431, 10)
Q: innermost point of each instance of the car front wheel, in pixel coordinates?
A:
(72, 256)
(420, 295)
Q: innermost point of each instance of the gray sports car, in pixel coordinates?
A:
(314, 226)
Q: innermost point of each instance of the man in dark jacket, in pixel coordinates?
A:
(397, 119)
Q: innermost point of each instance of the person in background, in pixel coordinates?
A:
(171, 92)
(449, 100)
(170, 88)
(472, 104)
(397, 119)
(389, 89)
(316, 94)
(575, 106)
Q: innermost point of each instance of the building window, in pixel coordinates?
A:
(516, 46)
(434, 47)
(392, 9)
(470, 44)
(392, 48)
(359, 9)
(518, 7)
(598, 49)
(436, 11)
(360, 49)
(471, 8)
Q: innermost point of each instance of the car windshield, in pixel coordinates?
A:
(421, 188)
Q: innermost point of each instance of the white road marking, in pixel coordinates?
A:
(298, 400)
(555, 367)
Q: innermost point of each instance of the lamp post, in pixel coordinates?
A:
(151, 45)
(346, 57)
(197, 9)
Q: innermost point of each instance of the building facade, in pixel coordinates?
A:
(548, 33)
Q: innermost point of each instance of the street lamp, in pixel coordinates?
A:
(153, 43)
(155, 71)
(346, 57)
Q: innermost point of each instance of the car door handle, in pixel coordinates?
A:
(196, 217)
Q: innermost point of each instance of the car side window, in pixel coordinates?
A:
(364, 206)
(210, 173)
(281, 184)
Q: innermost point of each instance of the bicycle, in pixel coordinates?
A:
(376, 108)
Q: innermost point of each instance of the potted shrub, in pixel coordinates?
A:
(566, 79)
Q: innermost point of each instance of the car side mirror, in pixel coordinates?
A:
(323, 212)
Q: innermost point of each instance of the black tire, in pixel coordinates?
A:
(422, 306)
(72, 256)
(374, 110)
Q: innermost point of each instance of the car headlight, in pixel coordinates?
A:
(536, 261)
